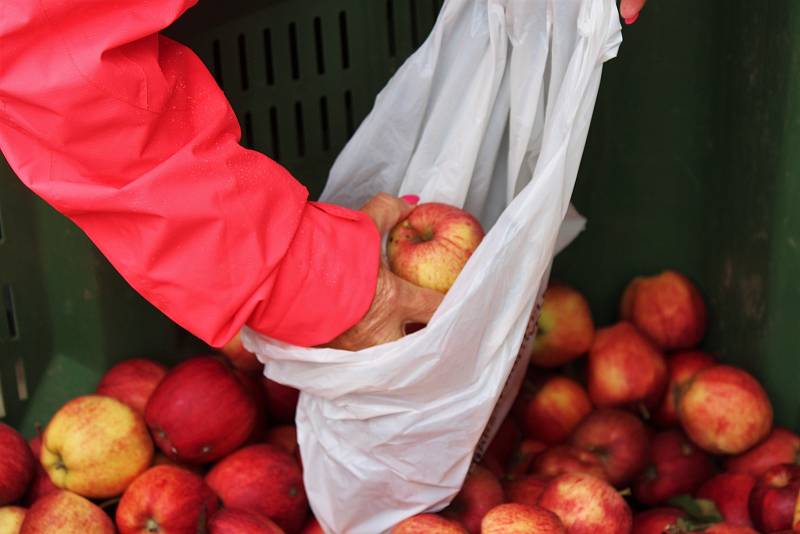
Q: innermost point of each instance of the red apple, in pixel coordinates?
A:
(675, 467)
(619, 439)
(17, 465)
(252, 383)
(587, 505)
(626, 302)
(523, 458)
(168, 500)
(773, 499)
(667, 308)
(730, 492)
(284, 437)
(480, 493)
(568, 459)
(427, 524)
(132, 382)
(681, 368)
(281, 401)
(41, 485)
(11, 518)
(64, 512)
(431, 246)
(159, 458)
(565, 328)
(514, 518)
(312, 527)
(724, 410)
(264, 479)
(233, 521)
(625, 368)
(796, 516)
(239, 356)
(96, 446)
(550, 409)
(780, 447)
(201, 411)
(727, 528)
(526, 490)
(504, 443)
(656, 521)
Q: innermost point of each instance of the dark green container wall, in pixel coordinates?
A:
(693, 163)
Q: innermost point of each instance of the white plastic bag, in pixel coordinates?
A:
(491, 114)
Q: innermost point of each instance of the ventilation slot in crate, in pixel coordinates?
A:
(9, 312)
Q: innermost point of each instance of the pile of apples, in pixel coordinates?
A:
(207, 446)
(624, 429)
(630, 429)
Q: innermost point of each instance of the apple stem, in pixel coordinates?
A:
(59, 464)
(111, 502)
(151, 525)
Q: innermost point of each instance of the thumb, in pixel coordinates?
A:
(386, 211)
(418, 303)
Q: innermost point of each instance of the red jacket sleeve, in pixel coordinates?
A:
(125, 132)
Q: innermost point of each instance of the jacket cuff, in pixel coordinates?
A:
(327, 278)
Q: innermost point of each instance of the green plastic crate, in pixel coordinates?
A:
(691, 163)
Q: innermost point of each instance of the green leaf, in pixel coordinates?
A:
(698, 510)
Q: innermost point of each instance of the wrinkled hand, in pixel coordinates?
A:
(629, 10)
(397, 303)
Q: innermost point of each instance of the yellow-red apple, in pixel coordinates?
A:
(565, 328)
(551, 408)
(781, 447)
(431, 246)
(568, 459)
(64, 512)
(681, 369)
(526, 490)
(619, 439)
(11, 518)
(724, 410)
(773, 498)
(587, 505)
(480, 493)
(96, 446)
(515, 518)
(625, 368)
(428, 524)
(667, 308)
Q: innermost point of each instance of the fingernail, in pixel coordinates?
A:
(411, 199)
(630, 20)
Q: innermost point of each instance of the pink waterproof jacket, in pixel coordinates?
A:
(125, 132)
